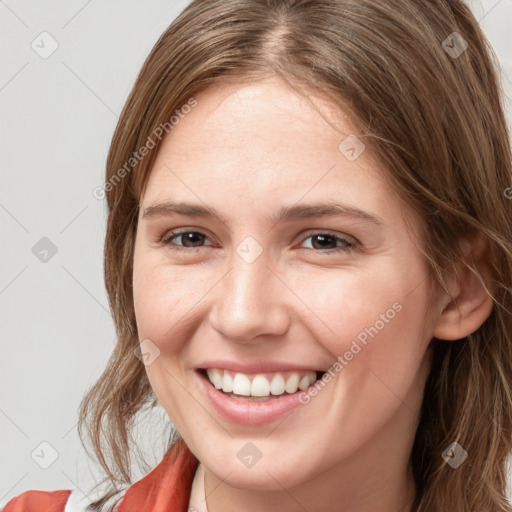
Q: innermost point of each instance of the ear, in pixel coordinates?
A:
(469, 305)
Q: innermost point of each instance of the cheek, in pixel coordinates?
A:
(373, 319)
(344, 303)
(164, 300)
(373, 327)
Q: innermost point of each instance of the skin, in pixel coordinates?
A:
(247, 150)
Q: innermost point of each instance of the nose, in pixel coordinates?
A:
(250, 302)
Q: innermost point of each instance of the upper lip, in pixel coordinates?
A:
(255, 367)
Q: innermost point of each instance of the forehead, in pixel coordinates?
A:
(257, 143)
(269, 114)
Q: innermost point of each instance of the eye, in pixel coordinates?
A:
(188, 239)
(320, 241)
(327, 242)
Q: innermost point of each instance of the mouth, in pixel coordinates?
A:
(260, 387)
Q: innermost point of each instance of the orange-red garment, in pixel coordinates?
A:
(165, 489)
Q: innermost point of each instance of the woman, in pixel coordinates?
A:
(309, 263)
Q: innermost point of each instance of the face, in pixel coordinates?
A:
(279, 290)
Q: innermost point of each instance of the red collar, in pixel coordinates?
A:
(167, 487)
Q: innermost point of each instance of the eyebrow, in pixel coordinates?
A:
(298, 211)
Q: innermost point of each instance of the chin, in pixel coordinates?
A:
(272, 472)
(272, 478)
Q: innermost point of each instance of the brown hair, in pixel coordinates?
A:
(434, 118)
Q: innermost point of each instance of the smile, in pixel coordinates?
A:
(261, 386)
(254, 394)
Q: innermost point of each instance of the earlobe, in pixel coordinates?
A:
(470, 304)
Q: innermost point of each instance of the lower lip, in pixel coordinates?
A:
(249, 413)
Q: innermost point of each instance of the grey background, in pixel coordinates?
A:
(58, 115)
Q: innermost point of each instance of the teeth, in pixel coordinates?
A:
(227, 383)
(241, 385)
(292, 383)
(304, 383)
(277, 385)
(215, 377)
(260, 385)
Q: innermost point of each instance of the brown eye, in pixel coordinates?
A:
(327, 242)
(188, 239)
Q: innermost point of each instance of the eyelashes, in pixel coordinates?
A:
(346, 245)
(169, 241)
